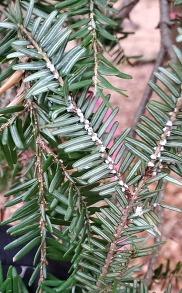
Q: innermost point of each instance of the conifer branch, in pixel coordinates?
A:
(45, 148)
(134, 195)
(49, 64)
(42, 224)
(41, 198)
(74, 176)
(156, 156)
(98, 142)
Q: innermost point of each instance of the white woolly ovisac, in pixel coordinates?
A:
(107, 159)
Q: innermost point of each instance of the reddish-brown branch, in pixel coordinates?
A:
(165, 28)
(126, 7)
(148, 90)
(165, 48)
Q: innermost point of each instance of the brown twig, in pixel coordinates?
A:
(16, 101)
(126, 8)
(148, 90)
(19, 97)
(14, 78)
(165, 28)
(11, 81)
(165, 48)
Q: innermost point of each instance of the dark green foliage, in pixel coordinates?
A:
(13, 282)
(72, 169)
